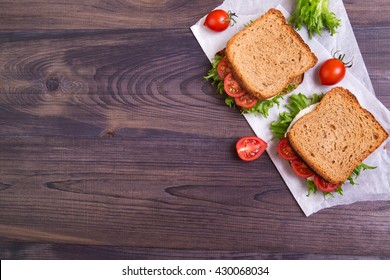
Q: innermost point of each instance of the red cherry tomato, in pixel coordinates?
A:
(301, 169)
(250, 148)
(324, 185)
(285, 151)
(246, 101)
(219, 20)
(232, 87)
(333, 70)
(223, 68)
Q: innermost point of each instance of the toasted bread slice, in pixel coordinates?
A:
(336, 136)
(267, 54)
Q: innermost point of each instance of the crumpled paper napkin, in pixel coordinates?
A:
(371, 184)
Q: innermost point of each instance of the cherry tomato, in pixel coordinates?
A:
(301, 169)
(219, 20)
(250, 148)
(232, 87)
(223, 68)
(246, 101)
(285, 151)
(332, 71)
(324, 185)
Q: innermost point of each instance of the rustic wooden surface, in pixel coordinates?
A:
(112, 145)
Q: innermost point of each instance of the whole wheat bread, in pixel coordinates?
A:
(295, 81)
(267, 54)
(336, 136)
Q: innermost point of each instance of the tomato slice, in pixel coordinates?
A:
(223, 68)
(301, 169)
(232, 87)
(246, 100)
(285, 151)
(250, 147)
(324, 185)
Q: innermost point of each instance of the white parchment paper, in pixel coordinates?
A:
(371, 184)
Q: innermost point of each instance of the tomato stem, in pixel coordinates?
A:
(341, 57)
(230, 18)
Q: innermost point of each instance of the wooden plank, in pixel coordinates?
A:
(375, 48)
(368, 13)
(9, 250)
(95, 14)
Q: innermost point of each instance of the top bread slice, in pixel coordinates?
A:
(267, 54)
(336, 136)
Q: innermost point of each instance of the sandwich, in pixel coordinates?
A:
(261, 63)
(327, 142)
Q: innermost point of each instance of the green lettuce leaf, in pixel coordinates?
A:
(356, 172)
(311, 187)
(262, 106)
(315, 15)
(212, 74)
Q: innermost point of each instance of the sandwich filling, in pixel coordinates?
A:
(236, 96)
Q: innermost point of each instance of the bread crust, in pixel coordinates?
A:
(333, 147)
(282, 82)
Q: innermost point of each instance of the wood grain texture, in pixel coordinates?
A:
(98, 14)
(113, 146)
(61, 251)
(132, 14)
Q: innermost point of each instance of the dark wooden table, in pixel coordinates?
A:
(113, 146)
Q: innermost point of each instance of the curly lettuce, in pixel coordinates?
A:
(315, 15)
